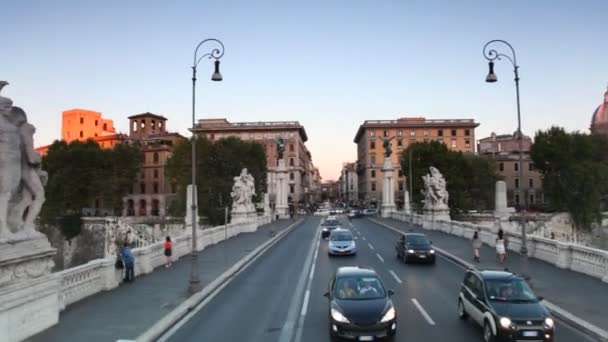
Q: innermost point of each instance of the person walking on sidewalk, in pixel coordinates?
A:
(500, 247)
(168, 251)
(476, 246)
(129, 260)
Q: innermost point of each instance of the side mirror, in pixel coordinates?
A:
(326, 294)
(390, 292)
(540, 298)
(431, 242)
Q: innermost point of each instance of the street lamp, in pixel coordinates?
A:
(491, 55)
(216, 53)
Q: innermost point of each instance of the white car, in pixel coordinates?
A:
(321, 212)
(341, 242)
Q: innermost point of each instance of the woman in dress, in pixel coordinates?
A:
(500, 247)
(476, 246)
(168, 251)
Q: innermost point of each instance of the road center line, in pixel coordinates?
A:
(370, 245)
(305, 305)
(363, 237)
(423, 312)
(395, 276)
(379, 257)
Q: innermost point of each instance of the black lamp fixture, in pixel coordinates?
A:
(217, 76)
(491, 78)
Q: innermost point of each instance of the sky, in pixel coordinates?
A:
(328, 64)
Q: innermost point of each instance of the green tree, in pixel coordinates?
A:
(217, 163)
(470, 179)
(574, 167)
(81, 172)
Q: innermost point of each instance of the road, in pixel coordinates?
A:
(280, 296)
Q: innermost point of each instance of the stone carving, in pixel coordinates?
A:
(386, 143)
(242, 191)
(280, 147)
(435, 193)
(27, 270)
(21, 178)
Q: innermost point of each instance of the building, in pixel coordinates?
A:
(599, 120)
(301, 171)
(330, 191)
(504, 149)
(349, 184)
(456, 134)
(152, 191)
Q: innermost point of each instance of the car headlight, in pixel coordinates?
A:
(505, 322)
(549, 322)
(432, 251)
(389, 315)
(411, 251)
(338, 316)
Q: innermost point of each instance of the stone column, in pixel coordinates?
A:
(500, 199)
(282, 206)
(406, 202)
(188, 219)
(388, 188)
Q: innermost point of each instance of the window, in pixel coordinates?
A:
(155, 187)
(453, 132)
(372, 145)
(453, 143)
(467, 132)
(155, 158)
(439, 132)
(516, 183)
(400, 173)
(400, 186)
(292, 162)
(81, 134)
(426, 132)
(291, 188)
(143, 175)
(373, 174)
(467, 143)
(372, 133)
(142, 188)
(516, 199)
(155, 173)
(400, 133)
(501, 166)
(385, 133)
(105, 127)
(142, 123)
(373, 160)
(291, 147)
(412, 133)
(373, 186)
(399, 144)
(530, 166)
(291, 176)
(153, 125)
(96, 123)
(81, 121)
(532, 198)
(516, 166)
(531, 183)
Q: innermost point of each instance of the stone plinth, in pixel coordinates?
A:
(25, 259)
(188, 219)
(500, 201)
(282, 207)
(406, 202)
(388, 188)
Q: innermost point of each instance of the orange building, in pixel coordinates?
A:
(82, 124)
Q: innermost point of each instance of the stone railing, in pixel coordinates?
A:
(100, 274)
(590, 261)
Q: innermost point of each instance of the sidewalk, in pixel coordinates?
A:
(127, 311)
(581, 295)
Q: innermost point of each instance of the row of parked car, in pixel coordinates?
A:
(351, 212)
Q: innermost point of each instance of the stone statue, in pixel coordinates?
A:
(386, 143)
(435, 193)
(280, 147)
(242, 191)
(21, 178)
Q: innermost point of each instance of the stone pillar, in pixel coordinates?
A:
(500, 200)
(282, 206)
(406, 202)
(188, 219)
(388, 188)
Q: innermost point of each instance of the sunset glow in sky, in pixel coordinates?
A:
(328, 64)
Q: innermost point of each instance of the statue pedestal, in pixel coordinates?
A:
(243, 215)
(431, 216)
(282, 207)
(188, 219)
(29, 293)
(388, 188)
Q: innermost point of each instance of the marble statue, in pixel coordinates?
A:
(21, 178)
(435, 193)
(242, 192)
(280, 147)
(386, 143)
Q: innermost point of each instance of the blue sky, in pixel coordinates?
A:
(328, 64)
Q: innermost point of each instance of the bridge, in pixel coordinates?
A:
(267, 284)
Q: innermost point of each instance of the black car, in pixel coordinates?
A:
(505, 306)
(359, 307)
(328, 225)
(413, 246)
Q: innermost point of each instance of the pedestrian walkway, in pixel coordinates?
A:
(127, 311)
(581, 295)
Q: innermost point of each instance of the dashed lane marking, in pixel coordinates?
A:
(423, 312)
(395, 276)
(370, 245)
(379, 257)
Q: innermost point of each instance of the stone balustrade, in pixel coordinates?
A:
(587, 260)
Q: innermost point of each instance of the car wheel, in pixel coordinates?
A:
(488, 336)
(462, 314)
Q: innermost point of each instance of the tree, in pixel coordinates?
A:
(574, 167)
(217, 163)
(470, 179)
(81, 172)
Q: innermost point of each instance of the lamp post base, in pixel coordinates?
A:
(194, 287)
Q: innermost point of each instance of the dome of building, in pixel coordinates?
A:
(599, 120)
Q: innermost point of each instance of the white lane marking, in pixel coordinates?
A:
(305, 305)
(370, 245)
(363, 237)
(395, 276)
(423, 312)
(379, 257)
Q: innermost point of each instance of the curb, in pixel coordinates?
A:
(190, 304)
(561, 314)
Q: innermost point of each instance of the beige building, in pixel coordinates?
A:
(349, 184)
(456, 134)
(301, 171)
(504, 149)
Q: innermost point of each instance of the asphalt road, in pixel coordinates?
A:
(280, 296)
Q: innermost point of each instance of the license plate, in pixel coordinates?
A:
(366, 338)
(422, 256)
(530, 333)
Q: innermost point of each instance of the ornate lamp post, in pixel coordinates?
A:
(216, 53)
(491, 55)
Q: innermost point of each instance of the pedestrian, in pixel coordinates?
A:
(500, 247)
(168, 251)
(476, 246)
(129, 261)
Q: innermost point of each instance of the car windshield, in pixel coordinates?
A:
(509, 290)
(341, 236)
(359, 288)
(417, 240)
(331, 223)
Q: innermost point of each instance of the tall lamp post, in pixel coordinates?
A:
(216, 53)
(491, 55)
